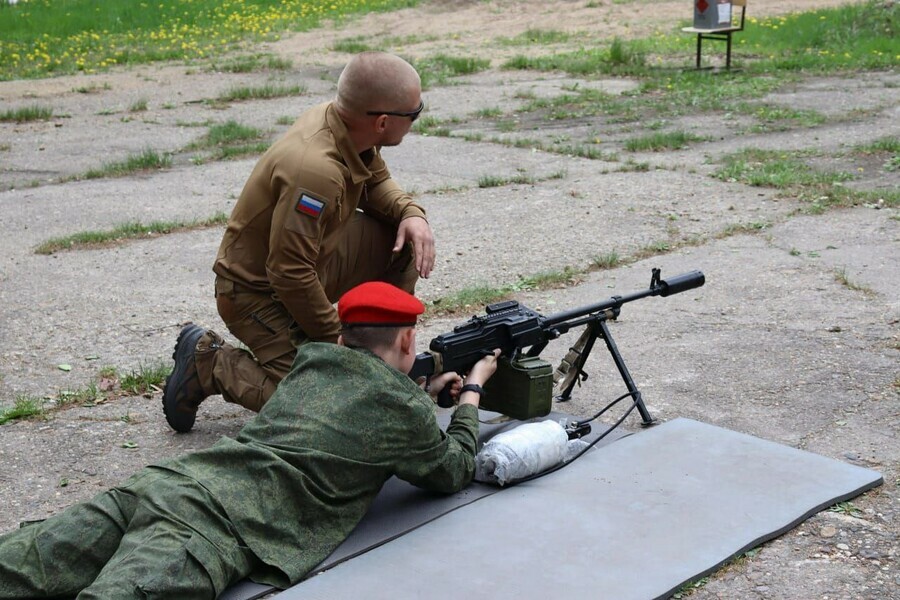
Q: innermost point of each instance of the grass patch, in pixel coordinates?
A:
(138, 106)
(353, 45)
(859, 36)
(781, 118)
(126, 231)
(488, 181)
(480, 295)
(230, 140)
(439, 69)
(619, 58)
(23, 408)
(433, 126)
(26, 113)
(841, 276)
(610, 260)
(145, 380)
(541, 37)
(262, 92)
(656, 142)
(889, 146)
(147, 160)
(44, 37)
(771, 168)
(788, 173)
(251, 64)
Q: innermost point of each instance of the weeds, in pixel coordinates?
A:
(147, 160)
(656, 142)
(23, 408)
(26, 113)
(145, 380)
(126, 231)
(263, 92)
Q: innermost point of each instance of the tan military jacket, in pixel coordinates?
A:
(291, 213)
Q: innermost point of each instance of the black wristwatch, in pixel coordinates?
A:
(472, 387)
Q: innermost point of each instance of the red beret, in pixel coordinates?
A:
(378, 304)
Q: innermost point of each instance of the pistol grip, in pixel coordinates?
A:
(445, 400)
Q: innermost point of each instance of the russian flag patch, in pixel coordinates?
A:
(310, 206)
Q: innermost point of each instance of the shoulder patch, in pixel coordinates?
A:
(310, 206)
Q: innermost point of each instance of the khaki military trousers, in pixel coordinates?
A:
(248, 376)
(160, 535)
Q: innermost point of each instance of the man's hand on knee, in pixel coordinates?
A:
(417, 231)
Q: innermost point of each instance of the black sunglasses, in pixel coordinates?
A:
(413, 115)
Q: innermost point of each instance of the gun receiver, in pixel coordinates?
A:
(522, 334)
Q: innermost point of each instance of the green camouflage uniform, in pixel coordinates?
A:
(271, 504)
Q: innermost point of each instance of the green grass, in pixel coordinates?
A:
(610, 260)
(251, 64)
(22, 409)
(888, 144)
(656, 142)
(433, 126)
(353, 45)
(138, 106)
(618, 58)
(476, 296)
(789, 173)
(146, 379)
(126, 231)
(771, 168)
(781, 118)
(146, 160)
(439, 69)
(542, 37)
(488, 181)
(230, 140)
(889, 147)
(43, 37)
(859, 36)
(262, 92)
(26, 113)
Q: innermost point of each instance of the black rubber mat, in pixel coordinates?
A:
(401, 508)
(634, 520)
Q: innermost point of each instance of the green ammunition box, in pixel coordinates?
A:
(522, 389)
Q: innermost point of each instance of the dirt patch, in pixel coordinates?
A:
(793, 339)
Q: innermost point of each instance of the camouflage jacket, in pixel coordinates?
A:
(303, 472)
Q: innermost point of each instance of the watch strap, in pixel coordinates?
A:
(472, 387)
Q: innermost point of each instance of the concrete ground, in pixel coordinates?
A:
(794, 338)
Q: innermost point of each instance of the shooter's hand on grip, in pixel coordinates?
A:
(448, 395)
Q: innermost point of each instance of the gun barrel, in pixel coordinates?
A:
(663, 287)
(682, 283)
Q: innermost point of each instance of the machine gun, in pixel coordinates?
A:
(522, 386)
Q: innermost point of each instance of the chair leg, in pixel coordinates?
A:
(699, 46)
(728, 52)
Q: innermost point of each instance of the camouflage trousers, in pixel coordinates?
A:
(160, 535)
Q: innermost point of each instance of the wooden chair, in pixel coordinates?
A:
(720, 33)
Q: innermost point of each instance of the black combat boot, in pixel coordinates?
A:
(183, 392)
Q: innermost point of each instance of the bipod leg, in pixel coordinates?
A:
(566, 395)
(646, 418)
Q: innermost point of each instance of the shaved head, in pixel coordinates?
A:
(374, 81)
